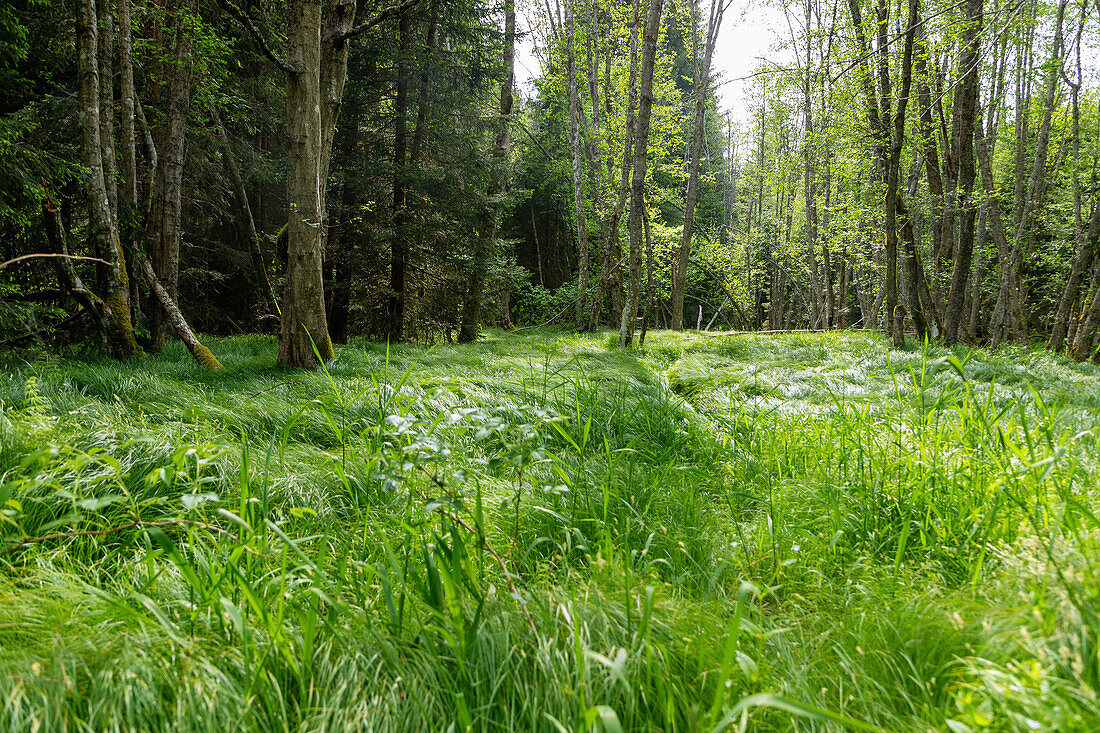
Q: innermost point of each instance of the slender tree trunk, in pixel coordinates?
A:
(637, 182)
(574, 139)
(820, 300)
(967, 114)
(1086, 241)
(976, 277)
(931, 159)
(1007, 322)
(126, 99)
(337, 20)
(304, 327)
(165, 229)
(878, 115)
(702, 86)
(649, 294)
(578, 184)
(612, 251)
(103, 231)
(179, 324)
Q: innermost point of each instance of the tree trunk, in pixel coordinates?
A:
(126, 99)
(1007, 322)
(702, 86)
(612, 251)
(304, 328)
(1087, 242)
(102, 228)
(202, 354)
(878, 115)
(339, 15)
(259, 267)
(931, 158)
(164, 226)
(575, 143)
(649, 294)
(637, 182)
(967, 114)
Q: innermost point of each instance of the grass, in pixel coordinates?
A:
(539, 532)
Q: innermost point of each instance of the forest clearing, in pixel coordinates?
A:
(560, 365)
(544, 532)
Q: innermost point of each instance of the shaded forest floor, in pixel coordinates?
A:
(539, 532)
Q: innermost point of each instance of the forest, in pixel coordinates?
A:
(465, 365)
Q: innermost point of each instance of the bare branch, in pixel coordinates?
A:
(250, 26)
(50, 254)
(382, 15)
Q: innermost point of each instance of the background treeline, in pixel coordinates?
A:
(924, 167)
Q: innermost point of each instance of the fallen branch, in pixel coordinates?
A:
(50, 254)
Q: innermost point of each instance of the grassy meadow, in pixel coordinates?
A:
(539, 532)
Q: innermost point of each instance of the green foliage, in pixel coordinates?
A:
(537, 532)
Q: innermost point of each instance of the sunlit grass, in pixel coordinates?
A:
(540, 532)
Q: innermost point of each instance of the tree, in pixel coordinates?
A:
(637, 180)
(702, 82)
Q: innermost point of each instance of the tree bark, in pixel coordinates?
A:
(103, 230)
(164, 225)
(637, 182)
(967, 113)
(303, 334)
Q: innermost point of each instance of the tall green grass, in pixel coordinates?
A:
(542, 533)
